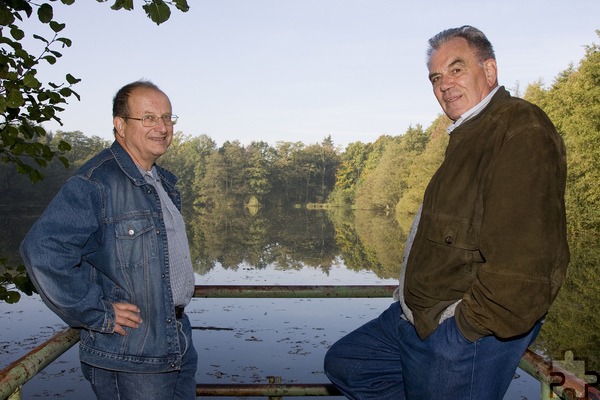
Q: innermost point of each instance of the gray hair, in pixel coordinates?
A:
(474, 37)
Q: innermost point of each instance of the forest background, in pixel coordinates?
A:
(388, 175)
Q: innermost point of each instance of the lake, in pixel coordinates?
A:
(247, 340)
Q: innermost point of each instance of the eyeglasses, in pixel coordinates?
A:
(151, 120)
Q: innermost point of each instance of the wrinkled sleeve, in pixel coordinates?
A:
(523, 237)
(54, 253)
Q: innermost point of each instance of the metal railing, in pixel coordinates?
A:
(554, 380)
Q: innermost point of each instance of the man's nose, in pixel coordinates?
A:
(161, 125)
(446, 82)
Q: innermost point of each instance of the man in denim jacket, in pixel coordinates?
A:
(109, 255)
(487, 252)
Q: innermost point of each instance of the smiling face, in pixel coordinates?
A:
(460, 80)
(145, 144)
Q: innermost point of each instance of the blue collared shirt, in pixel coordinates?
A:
(180, 264)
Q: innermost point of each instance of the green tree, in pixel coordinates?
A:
(388, 181)
(364, 191)
(286, 173)
(347, 178)
(258, 170)
(25, 101)
(224, 183)
(420, 171)
(186, 158)
(573, 104)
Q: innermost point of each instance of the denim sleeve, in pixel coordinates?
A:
(54, 251)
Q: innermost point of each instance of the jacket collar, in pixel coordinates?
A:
(130, 169)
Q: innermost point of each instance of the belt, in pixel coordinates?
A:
(179, 310)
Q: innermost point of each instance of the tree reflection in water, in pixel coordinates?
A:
(364, 240)
(301, 246)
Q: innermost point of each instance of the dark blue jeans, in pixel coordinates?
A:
(176, 385)
(386, 360)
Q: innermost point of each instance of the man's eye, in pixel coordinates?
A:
(149, 118)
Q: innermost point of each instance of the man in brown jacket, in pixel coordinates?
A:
(487, 252)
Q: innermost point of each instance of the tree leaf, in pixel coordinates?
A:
(71, 79)
(6, 17)
(157, 11)
(12, 296)
(17, 33)
(51, 60)
(14, 99)
(56, 27)
(45, 13)
(182, 5)
(64, 146)
(126, 4)
(65, 41)
(31, 81)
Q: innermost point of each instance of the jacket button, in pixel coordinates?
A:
(169, 320)
(449, 240)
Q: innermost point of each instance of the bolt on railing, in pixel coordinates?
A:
(563, 383)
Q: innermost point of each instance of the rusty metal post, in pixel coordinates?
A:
(22, 370)
(265, 390)
(19, 372)
(544, 371)
(546, 392)
(294, 291)
(274, 380)
(16, 394)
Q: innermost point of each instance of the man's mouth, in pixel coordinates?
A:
(450, 99)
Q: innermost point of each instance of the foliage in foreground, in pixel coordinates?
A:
(26, 102)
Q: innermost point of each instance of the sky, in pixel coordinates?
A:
(300, 70)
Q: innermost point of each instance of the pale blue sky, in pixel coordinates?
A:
(300, 70)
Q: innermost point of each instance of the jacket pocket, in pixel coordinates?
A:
(452, 232)
(136, 242)
(455, 242)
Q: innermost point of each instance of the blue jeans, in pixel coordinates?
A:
(176, 385)
(386, 360)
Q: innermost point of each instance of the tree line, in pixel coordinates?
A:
(387, 175)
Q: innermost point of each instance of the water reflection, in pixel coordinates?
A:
(289, 337)
(369, 241)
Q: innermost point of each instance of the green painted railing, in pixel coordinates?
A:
(564, 384)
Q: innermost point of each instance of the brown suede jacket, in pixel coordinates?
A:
(493, 228)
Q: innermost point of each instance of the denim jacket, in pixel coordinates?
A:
(100, 241)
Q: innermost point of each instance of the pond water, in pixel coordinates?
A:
(238, 340)
(248, 340)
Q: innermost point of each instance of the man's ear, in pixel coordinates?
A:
(118, 124)
(491, 71)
